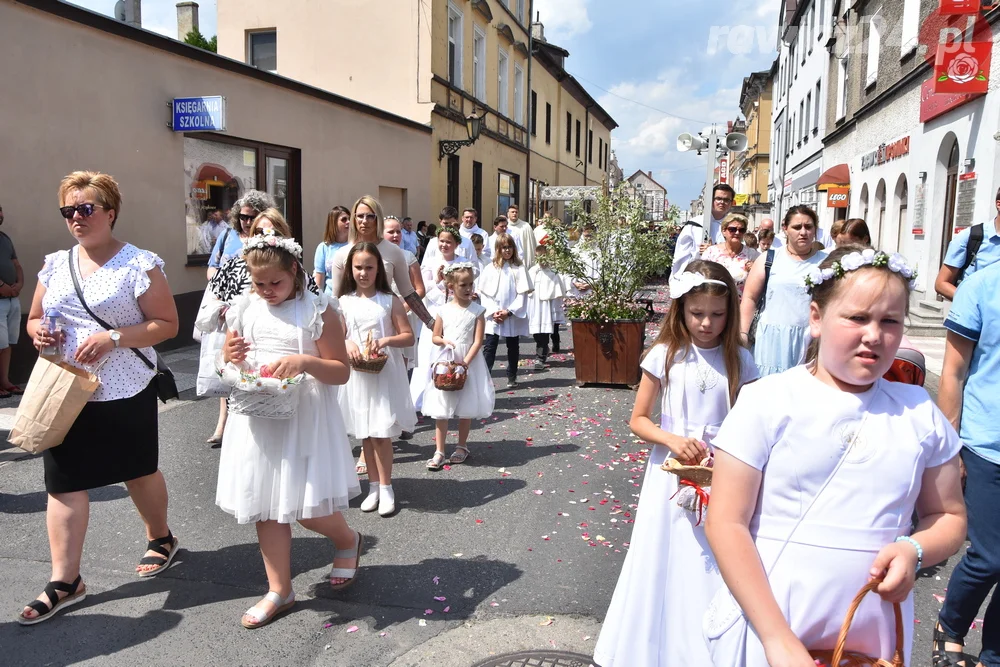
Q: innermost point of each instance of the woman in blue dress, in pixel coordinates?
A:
(782, 334)
(338, 223)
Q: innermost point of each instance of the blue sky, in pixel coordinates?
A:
(683, 57)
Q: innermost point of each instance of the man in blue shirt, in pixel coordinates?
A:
(969, 396)
(409, 241)
(989, 251)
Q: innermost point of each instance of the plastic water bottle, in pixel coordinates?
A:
(53, 325)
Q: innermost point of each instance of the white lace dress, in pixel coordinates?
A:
(375, 405)
(476, 399)
(278, 469)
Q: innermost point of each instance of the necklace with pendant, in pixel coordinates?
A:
(706, 377)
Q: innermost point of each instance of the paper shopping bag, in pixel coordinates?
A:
(53, 399)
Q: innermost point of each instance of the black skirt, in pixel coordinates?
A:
(110, 442)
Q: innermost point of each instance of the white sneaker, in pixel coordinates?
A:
(371, 502)
(386, 505)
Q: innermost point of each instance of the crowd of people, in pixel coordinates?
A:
(767, 376)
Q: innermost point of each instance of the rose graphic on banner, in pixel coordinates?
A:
(963, 70)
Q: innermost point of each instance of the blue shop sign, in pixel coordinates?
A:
(199, 114)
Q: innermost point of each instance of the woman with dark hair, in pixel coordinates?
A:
(115, 437)
(782, 334)
(854, 232)
(338, 226)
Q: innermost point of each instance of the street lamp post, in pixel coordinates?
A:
(734, 141)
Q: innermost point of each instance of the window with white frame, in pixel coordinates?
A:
(520, 10)
(808, 109)
(518, 94)
(874, 48)
(455, 31)
(479, 64)
(911, 26)
(842, 88)
(820, 18)
(802, 119)
(503, 65)
(812, 27)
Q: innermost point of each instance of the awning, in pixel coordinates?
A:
(838, 175)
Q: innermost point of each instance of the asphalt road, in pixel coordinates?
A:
(523, 542)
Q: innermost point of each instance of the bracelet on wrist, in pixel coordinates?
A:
(916, 545)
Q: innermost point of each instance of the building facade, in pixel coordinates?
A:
(918, 167)
(653, 195)
(438, 62)
(309, 148)
(751, 168)
(800, 89)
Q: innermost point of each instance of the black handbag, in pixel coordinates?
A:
(752, 331)
(164, 381)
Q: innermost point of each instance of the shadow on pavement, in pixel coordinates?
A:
(27, 503)
(74, 638)
(441, 495)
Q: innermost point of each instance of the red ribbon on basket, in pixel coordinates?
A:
(701, 493)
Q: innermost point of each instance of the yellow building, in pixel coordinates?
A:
(438, 62)
(751, 168)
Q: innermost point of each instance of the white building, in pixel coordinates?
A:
(652, 193)
(799, 104)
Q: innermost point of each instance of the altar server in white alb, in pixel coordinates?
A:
(545, 305)
(696, 235)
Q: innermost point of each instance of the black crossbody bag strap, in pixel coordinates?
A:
(83, 302)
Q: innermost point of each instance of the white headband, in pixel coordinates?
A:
(268, 239)
(855, 260)
(685, 282)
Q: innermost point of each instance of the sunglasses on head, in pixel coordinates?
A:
(735, 230)
(85, 210)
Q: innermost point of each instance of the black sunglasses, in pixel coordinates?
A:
(85, 210)
(735, 230)
(246, 217)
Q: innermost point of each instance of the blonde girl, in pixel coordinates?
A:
(504, 287)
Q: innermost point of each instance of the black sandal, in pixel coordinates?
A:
(166, 555)
(944, 658)
(47, 611)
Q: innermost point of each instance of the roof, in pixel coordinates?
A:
(551, 57)
(753, 86)
(163, 43)
(648, 176)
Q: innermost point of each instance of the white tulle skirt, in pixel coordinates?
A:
(474, 401)
(378, 405)
(288, 469)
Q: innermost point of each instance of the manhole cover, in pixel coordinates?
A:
(538, 659)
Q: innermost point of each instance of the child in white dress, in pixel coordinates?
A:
(376, 406)
(545, 306)
(818, 470)
(459, 329)
(276, 471)
(690, 376)
(504, 287)
(434, 298)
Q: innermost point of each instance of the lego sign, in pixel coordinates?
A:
(837, 197)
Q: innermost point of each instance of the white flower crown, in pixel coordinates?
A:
(459, 266)
(686, 281)
(855, 260)
(268, 239)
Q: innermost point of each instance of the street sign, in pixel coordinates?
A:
(198, 114)
(919, 207)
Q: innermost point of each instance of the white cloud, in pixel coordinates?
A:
(563, 19)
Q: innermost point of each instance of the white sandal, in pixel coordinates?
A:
(348, 574)
(261, 617)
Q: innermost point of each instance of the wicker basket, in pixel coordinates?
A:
(841, 658)
(267, 398)
(370, 362)
(700, 475)
(447, 376)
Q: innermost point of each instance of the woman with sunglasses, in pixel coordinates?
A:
(230, 243)
(338, 225)
(115, 437)
(733, 253)
(367, 226)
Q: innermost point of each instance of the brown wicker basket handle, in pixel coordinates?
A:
(838, 652)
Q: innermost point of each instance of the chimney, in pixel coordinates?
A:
(130, 12)
(187, 18)
(537, 29)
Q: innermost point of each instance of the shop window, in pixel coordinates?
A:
(507, 189)
(262, 50)
(455, 31)
(218, 171)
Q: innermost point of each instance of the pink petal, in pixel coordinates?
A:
(538, 492)
(436, 580)
(440, 599)
(353, 628)
(447, 609)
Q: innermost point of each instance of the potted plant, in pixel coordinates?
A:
(617, 253)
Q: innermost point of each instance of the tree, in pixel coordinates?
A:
(195, 38)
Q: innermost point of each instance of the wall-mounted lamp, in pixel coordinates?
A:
(473, 126)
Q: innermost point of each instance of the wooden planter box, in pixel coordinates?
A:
(608, 352)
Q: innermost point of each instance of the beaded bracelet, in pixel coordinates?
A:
(916, 545)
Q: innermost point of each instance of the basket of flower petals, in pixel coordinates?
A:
(372, 359)
(450, 375)
(700, 474)
(257, 393)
